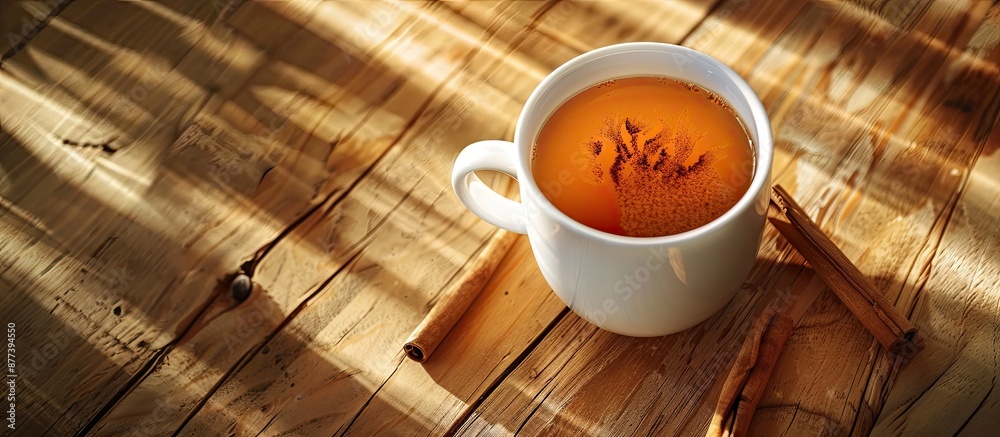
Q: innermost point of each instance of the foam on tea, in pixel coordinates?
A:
(643, 157)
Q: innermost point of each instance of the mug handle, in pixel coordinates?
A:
(489, 205)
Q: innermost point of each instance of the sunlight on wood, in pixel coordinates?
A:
(713, 29)
(76, 81)
(330, 121)
(29, 269)
(67, 163)
(65, 119)
(532, 70)
(100, 44)
(646, 14)
(101, 178)
(199, 33)
(150, 151)
(985, 181)
(339, 23)
(398, 399)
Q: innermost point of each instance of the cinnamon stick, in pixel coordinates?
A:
(457, 298)
(746, 381)
(744, 386)
(852, 287)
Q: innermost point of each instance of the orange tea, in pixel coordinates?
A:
(643, 157)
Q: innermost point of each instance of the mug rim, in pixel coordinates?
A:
(764, 149)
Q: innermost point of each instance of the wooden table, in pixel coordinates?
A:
(150, 150)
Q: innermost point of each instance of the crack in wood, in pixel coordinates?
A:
(534, 410)
(353, 325)
(105, 147)
(796, 408)
(864, 391)
(792, 420)
(250, 266)
(267, 425)
(399, 363)
(932, 244)
(148, 368)
(541, 391)
(471, 408)
(252, 352)
(978, 407)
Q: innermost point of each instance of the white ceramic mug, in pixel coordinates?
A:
(634, 286)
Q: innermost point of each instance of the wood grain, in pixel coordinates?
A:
(443, 128)
(845, 121)
(148, 150)
(371, 213)
(323, 245)
(127, 257)
(918, 162)
(950, 391)
(210, 195)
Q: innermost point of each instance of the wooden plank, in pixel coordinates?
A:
(949, 388)
(140, 232)
(91, 298)
(900, 188)
(287, 287)
(363, 227)
(353, 120)
(341, 346)
(849, 179)
(576, 21)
